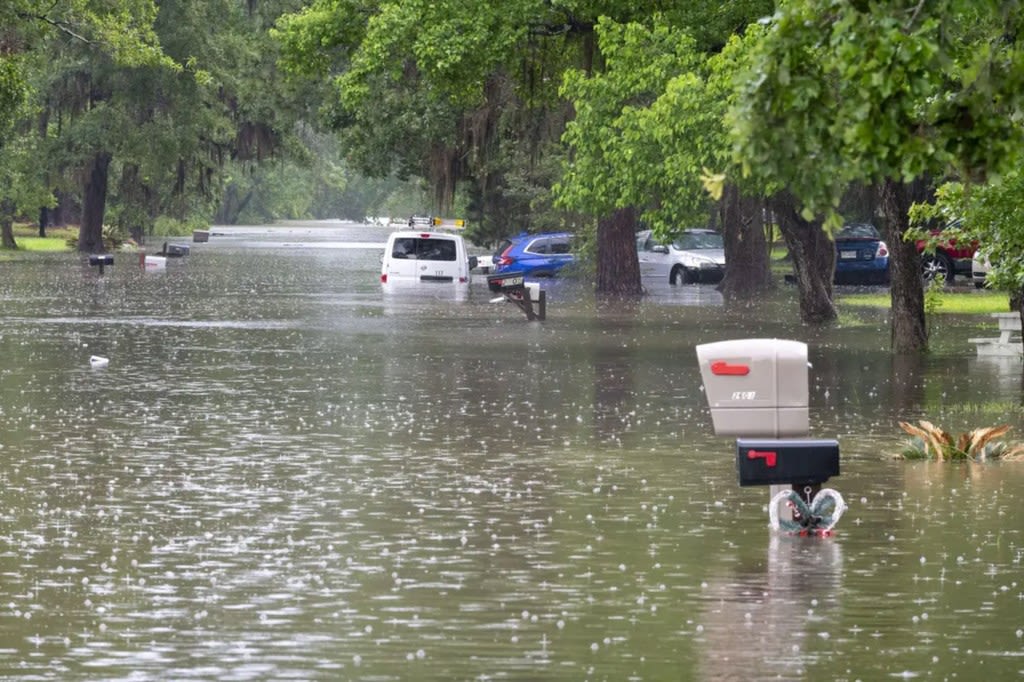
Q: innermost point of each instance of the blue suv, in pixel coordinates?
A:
(534, 255)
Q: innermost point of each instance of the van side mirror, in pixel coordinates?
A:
(659, 248)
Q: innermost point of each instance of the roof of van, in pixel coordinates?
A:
(424, 234)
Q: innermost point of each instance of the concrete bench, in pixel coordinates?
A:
(1008, 343)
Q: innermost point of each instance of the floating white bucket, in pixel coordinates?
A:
(152, 262)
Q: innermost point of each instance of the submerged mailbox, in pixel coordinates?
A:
(757, 390)
(756, 387)
(786, 462)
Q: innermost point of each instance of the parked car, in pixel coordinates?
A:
(697, 255)
(861, 255)
(535, 255)
(413, 257)
(948, 259)
(979, 269)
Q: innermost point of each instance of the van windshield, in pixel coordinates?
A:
(420, 248)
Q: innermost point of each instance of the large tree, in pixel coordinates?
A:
(647, 127)
(149, 137)
(119, 32)
(888, 94)
(468, 94)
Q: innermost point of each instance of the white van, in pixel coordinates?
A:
(412, 256)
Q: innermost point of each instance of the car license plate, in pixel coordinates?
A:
(511, 281)
(848, 255)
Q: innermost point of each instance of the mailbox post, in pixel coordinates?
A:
(101, 260)
(757, 390)
(514, 289)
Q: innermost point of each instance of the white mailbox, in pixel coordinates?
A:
(756, 387)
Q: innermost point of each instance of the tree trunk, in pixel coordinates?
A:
(94, 204)
(7, 224)
(908, 328)
(1017, 303)
(747, 252)
(618, 269)
(44, 220)
(814, 260)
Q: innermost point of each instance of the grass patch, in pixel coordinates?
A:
(959, 302)
(42, 244)
(56, 239)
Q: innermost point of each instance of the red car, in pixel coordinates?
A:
(948, 259)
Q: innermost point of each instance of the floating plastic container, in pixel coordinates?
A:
(149, 262)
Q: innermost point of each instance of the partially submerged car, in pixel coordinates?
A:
(980, 266)
(434, 257)
(861, 255)
(697, 255)
(534, 255)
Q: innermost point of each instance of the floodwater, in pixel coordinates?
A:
(285, 472)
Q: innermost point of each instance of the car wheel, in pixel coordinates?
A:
(678, 275)
(933, 265)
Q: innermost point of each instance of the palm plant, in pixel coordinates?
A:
(931, 442)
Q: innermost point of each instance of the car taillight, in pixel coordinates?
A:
(505, 259)
(882, 251)
(383, 279)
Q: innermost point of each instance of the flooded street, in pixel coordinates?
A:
(287, 473)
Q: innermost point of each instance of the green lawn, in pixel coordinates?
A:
(42, 243)
(56, 239)
(966, 301)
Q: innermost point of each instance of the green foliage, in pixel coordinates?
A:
(645, 127)
(838, 92)
(164, 226)
(933, 294)
(13, 90)
(990, 214)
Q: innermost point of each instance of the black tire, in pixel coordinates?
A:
(678, 275)
(933, 265)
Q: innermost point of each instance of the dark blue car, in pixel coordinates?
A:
(535, 255)
(861, 255)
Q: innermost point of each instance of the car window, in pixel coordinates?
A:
(404, 247)
(505, 243)
(858, 231)
(541, 246)
(424, 248)
(690, 241)
(560, 246)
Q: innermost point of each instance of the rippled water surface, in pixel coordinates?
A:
(287, 473)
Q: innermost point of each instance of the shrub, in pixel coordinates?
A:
(932, 443)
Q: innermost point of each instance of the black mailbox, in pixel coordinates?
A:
(100, 260)
(797, 462)
(507, 282)
(176, 250)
